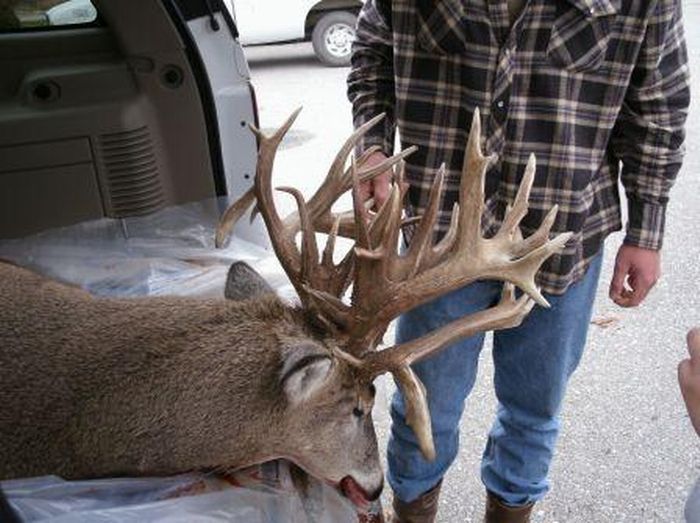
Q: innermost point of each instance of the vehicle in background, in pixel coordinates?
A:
(25, 14)
(329, 24)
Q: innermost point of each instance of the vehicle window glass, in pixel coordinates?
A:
(18, 15)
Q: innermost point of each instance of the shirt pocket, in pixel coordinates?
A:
(579, 40)
(440, 26)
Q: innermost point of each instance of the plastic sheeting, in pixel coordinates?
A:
(170, 252)
(255, 495)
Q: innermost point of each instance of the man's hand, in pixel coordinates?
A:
(689, 378)
(636, 272)
(378, 187)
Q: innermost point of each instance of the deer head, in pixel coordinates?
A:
(385, 283)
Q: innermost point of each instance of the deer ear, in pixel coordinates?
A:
(304, 371)
(243, 283)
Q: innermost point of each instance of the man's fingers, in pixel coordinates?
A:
(381, 193)
(640, 287)
(636, 298)
(381, 189)
(617, 292)
(625, 299)
(365, 191)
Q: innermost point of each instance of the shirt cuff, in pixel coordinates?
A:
(645, 226)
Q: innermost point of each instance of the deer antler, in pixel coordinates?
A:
(386, 283)
(307, 271)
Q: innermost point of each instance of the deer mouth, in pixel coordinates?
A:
(355, 493)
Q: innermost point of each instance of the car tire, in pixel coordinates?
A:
(332, 37)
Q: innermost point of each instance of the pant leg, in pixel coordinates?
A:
(448, 378)
(533, 363)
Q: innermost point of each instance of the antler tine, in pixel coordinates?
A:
(362, 240)
(522, 272)
(317, 279)
(421, 242)
(231, 217)
(471, 188)
(386, 164)
(364, 156)
(385, 227)
(338, 166)
(391, 229)
(328, 251)
(309, 247)
(540, 236)
(417, 413)
(341, 273)
(282, 240)
(519, 209)
(329, 306)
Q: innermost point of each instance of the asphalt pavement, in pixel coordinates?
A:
(627, 452)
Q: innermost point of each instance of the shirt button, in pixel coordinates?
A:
(500, 104)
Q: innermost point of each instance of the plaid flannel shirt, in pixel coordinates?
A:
(597, 89)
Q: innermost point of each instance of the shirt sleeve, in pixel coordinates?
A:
(371, 78)
(649, 132)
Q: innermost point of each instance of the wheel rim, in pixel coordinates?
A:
(339, 39)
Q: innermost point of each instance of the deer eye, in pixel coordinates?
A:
(358, 412)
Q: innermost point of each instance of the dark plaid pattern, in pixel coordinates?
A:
(597, 89)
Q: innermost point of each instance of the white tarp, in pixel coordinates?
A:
(261, 494)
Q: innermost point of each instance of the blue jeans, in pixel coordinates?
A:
(532, 362)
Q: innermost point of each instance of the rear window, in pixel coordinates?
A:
(18, 15)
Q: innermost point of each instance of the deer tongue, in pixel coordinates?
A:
(354, 492)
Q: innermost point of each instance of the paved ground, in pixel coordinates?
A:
(627, 452)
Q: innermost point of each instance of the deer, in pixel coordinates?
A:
(100, 387)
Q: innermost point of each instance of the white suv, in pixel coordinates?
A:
(329, 24)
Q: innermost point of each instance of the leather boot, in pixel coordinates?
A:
(499, 512)
(421, 510)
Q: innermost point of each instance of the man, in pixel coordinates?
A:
(598, 90)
